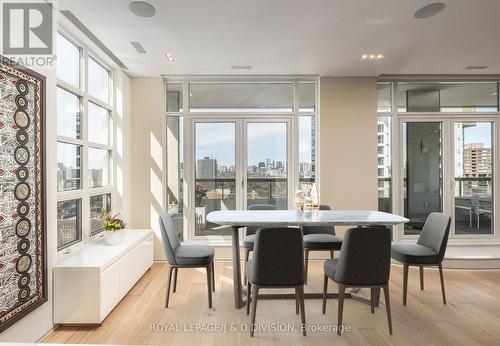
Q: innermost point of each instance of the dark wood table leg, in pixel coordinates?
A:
(238, 292)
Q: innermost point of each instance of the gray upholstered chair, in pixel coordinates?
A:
(185, 256)
(277, 262)
(320, 238)
(364, 261)
(249, 238)
(428, 251)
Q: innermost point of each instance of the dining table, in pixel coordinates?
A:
(239, 219)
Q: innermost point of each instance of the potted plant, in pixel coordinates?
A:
(113, 226)
(200, 193)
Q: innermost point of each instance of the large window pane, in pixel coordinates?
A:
(69, 169)
(175, 172)
(215, 188)
(307, 151)
(68, 61)
(98, 203)
(98, 81)
(267, 164)
(174, 97)
(384, 160)
(474, 178)
(447, 97)
(423, 176)
(307, 97)
(249, 97)
(69, 221)
(68, 114)
(99, 119)
(384, 98)
(98, 167)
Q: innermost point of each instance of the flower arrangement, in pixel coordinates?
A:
(110, 223)
(200, 191)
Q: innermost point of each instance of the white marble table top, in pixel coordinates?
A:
(283, 218)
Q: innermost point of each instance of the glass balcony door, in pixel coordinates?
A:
(267, 162)
(473, 177)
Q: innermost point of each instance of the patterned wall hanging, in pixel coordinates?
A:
(23, 275)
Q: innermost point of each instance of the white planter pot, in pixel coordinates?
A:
(113, 238)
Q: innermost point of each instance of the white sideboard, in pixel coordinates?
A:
(91, 282)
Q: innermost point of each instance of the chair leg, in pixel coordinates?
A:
(341, 308)
(167, 294)
(388, 306)
(405, 283)
(441, 276)
(325, 289)
(175, 280)
(421, 277)
(254, 309)
(247, 256)
(213, 276)
(249, 296)
(306, 264)
(372, 300)
(209, 285)
(302, 309)
(297, 298)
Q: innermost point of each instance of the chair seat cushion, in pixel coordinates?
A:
(330, 267)
(248, 241)
(319, 241)
(194, 254)
(413, 254)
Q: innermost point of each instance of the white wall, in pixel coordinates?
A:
(148, 199)
(348, 143)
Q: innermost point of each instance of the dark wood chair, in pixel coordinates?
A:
(428, 251)
(364, 261)
(277, 262)
(185, 256)
(320, 238)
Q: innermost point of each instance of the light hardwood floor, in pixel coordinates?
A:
(472, 316)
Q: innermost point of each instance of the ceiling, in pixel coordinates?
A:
(323, 37)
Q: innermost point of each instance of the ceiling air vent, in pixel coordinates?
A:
(138, 47)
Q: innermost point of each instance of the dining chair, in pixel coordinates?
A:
(319, 238)
(428, 251)
(249, 239)
(277, 262)
(364, 261)
(185, 256)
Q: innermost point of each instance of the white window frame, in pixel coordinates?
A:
(85, 192)
(291, 118)
(447, 119)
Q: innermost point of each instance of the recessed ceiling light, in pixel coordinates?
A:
(429, 10)
(476, 67)
(372, 56)
(169, 57)
(142, 9)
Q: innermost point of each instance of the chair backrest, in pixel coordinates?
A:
(319, 229)
(278, 258)
(253, 229)
(365, 257)
(169, 235)
(435, 233)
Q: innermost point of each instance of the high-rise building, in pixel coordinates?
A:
(206, 168)
(477, 160)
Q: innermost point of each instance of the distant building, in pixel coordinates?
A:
(477, 160)
(206, 168)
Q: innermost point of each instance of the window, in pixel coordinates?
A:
(83, 156)
(97, 204)
(249, 142)
(380, 161)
